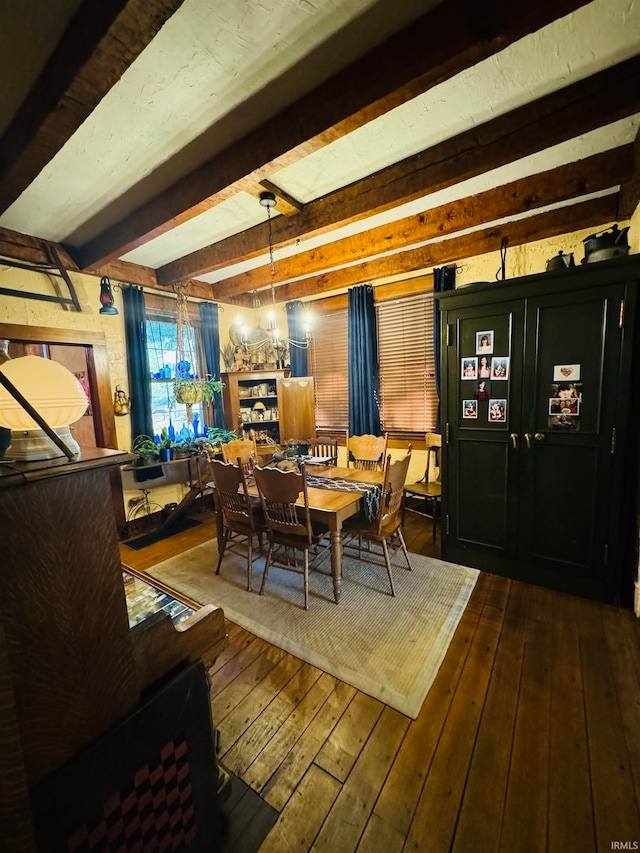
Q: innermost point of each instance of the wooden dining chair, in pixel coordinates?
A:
(367, 451)
(289, 527)
(326, 448)
(242, 516)
(385, 529)
(241, 448)
(424, 496)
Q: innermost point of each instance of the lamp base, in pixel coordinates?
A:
(34, 445)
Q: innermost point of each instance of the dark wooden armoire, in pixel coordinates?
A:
(540, 422)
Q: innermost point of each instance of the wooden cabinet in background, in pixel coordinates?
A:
(296, 402)
(274, 406)
(540, 458)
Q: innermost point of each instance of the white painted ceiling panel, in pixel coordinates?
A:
(593, 38)
(208, 58)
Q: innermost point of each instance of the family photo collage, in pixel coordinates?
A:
(483, 369)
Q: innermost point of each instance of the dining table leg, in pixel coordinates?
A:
(336, 562)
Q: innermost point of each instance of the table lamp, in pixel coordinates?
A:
(55, 394)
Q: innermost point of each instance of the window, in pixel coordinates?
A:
(408, 398)
(161, 347)
(329, 367)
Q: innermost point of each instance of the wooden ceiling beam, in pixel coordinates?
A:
(100, 43)
(589, 214)
(33, 250)
(451, 37)
(593, 174)
(591, 103)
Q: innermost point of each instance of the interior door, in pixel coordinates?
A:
(483, 405)
(573, 349)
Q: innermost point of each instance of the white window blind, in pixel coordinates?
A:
(329, 366)
(408, 399)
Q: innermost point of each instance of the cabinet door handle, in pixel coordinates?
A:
(514, 439)
(539, 436)
(527, 438)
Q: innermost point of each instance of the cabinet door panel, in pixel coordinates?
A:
(480, 462)
(296, 402)
(479, 515)
(566, 483)
(565, 515)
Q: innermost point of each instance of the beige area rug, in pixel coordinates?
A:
(390, 648)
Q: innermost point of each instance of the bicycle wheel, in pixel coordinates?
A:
(139, 522)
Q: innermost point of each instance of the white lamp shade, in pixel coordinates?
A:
(53, 391)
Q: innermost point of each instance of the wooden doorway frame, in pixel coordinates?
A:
(104, 422)
(97, 367)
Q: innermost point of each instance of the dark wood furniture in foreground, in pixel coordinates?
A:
(70, 667)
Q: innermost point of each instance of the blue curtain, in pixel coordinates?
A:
(295, 326)
(363, 370)
(135, 327)
(211, 341)
(444, 278)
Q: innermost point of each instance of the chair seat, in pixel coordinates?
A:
(300, 542)
(424, 490)
(250, 526)
(360, 524)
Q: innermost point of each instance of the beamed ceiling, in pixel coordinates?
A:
(137, 135)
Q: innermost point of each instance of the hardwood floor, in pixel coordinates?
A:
(529, 739)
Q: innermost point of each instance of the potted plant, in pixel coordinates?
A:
(167, 449)
(218, 436)
(206, 444)
(146, 449)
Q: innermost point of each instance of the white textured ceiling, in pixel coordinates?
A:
(184, 99)
(210, 57)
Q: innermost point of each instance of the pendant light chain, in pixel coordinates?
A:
(271, 263)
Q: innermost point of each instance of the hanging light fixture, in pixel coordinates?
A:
(274, 340)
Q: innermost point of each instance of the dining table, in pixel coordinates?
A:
(332, 506)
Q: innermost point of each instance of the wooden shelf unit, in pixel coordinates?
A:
(289, 405)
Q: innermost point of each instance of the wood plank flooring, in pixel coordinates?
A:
(529, 739)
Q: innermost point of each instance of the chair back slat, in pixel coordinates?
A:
(433, 442)
(242, 449)
(325, 447)
(279, 492)
(231, 491)
(367, 452)
(395, 476)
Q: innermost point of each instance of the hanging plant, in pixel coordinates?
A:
(187, 388)
(191, 391)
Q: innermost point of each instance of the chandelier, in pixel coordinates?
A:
(273, 341)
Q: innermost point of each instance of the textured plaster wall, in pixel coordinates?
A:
(532, 257)
(30, 312)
